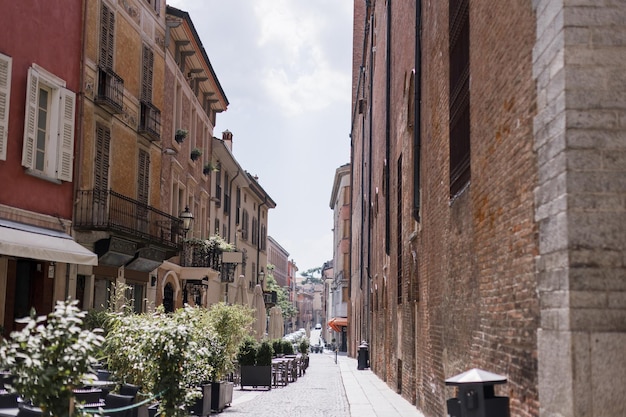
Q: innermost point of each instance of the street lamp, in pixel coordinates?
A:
(187, 218)
(261, 277)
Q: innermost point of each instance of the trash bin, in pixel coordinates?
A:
(363, 356)
(476, 396)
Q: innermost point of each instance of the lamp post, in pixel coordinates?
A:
(261, 277)
(187, 218)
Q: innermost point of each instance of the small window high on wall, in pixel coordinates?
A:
(459, 95)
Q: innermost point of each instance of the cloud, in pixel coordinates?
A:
(299, 77)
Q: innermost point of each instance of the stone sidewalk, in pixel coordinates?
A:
(328, 389)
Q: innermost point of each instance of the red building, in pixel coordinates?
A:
(39, 83)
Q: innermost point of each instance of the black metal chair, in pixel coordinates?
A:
(132, 390)
(129, 389)
(8, 399)
(88, 396)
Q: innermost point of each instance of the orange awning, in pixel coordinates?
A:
(336, 323)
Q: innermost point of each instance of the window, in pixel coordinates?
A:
(217, 226)
(48, 148)
(263, 243)
(255, 231)
(150, 117)
(226, 194)
(244, 224)
(110, 88)
(5, 94)
(135, 294)
(143, 183)
(155, 5)
(459, 96)
(346, 195)
(237, 206)
(107, 37)
(218, 185)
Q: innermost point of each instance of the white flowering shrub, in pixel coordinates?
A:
(51, 356)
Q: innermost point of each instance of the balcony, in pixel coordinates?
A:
(110, 94)
(150, 121)
(197, 254)
(110, 211)
(270, 298)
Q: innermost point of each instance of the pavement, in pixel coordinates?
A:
(328, 389)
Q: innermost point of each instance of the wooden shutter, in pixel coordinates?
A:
(5, 95)
(143, 176)
(30, 119)
(146, 81)
(101, 174)
(107, 30)
(66, 135)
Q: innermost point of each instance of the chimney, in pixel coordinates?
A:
(227, 137)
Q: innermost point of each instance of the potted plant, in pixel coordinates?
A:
(50, 357)
(287, 347)
(169, 355)
(277, 346)
(195, 153)
(208, 168)
(230, 324)
(180, 135)
(256, 363)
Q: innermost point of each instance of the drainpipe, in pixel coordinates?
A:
(368, 268)
(230, 219)
(417, 110)
(388, 132)
(258, 246)
(230, 193)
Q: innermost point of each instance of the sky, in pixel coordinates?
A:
(285, 67)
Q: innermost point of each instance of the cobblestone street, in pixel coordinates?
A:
(318, 393)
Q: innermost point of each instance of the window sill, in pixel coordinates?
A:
(41, 175)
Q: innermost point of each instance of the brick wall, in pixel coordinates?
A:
(469, 292)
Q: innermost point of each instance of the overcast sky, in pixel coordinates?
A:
(285, 67)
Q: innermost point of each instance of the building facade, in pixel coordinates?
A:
(39, 111)
(279, 257)
(340, 285)
(119, 212)
(194, 98)
(487, 227)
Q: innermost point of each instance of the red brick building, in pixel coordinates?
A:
(486, 223)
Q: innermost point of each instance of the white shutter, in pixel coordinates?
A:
(66, 135)
(5, 95)
(30, 119)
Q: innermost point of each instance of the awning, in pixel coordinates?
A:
(26, 241)
(337, 322)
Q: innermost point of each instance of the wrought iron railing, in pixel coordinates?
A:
(196, 254)
(110, 90)
(108, 210)
(150, 122)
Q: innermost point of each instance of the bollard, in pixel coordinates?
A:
(476, 396)
(363, 356)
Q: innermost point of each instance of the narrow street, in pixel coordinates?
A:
(319, 392)
(328, 389)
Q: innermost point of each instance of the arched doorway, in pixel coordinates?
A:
(168, 298)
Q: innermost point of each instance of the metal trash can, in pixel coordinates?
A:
(363, 356)
(476, 396)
